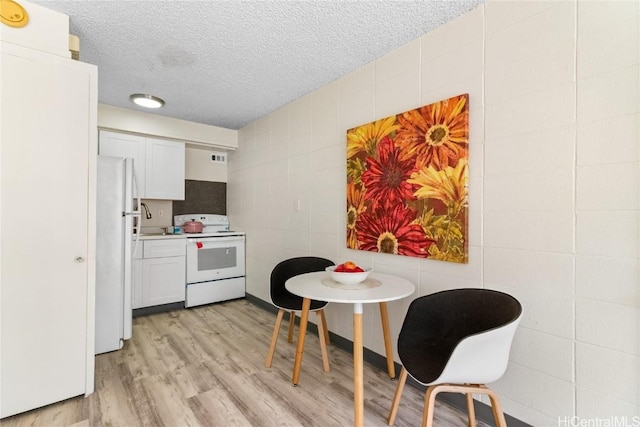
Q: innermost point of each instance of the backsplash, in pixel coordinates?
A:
(161, 212)
(202, 197)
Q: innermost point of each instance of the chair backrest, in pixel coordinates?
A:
(459, 336)
(288, 269)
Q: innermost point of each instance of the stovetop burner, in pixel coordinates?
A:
(214, 225)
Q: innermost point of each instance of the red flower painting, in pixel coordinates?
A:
(407, 182)
(391, 229)
(385, 177)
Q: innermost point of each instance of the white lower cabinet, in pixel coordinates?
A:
(159, 277)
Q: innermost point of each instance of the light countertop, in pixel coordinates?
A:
(159, 236)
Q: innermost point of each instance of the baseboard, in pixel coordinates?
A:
(163, 308)
(458, 401)
(145, 311)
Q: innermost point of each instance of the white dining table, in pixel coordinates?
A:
(378, 288)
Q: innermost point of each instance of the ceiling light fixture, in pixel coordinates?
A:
(146, 101)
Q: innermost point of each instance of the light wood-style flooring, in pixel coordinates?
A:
(205, 367)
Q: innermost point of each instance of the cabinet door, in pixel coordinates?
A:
(163, 280)
(123, 145)
(48, 134)
(164, 169)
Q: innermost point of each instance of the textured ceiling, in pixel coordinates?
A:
(228, 63)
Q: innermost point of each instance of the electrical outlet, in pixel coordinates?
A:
(218, 157)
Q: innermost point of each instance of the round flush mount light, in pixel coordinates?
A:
(146, 101)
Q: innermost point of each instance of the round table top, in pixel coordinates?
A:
(309, 285)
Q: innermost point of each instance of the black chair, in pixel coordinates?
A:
(457, 341)
(286, 301)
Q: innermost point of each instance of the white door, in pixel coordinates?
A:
(44, 286)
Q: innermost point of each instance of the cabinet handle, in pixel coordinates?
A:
(78, 259)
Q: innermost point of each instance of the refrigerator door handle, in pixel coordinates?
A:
(139, 212)
(130, 213)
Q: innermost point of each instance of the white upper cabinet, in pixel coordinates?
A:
(123, 145)
(164, 169)
(159, 164)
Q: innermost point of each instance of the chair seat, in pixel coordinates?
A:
(292, 303)
(424, 362)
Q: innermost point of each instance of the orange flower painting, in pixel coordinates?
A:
(407, 183)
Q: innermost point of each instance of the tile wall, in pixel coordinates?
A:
(554, 190)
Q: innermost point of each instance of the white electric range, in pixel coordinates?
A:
(215, 260)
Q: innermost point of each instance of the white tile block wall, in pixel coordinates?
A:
(610, 372)
(533, 112)
(608, 279)
(546, 394)
(613, 326)
(592, 404)
(535, 55)
(608, 233)
(596, 180)
(529, 191)
(538, 271)
(543, 311)
(500, 14)
(545, 353)
(467, 28)
(441, 81)
(611, 94)
(538, 231)
(607, 36)
(554, 211)
(539, 152)
(621, 135)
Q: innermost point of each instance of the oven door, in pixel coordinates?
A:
(214, 258)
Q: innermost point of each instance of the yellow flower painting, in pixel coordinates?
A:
(407, 183)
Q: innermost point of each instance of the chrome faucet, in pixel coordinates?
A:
(146, 210)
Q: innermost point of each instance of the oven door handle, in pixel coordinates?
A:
(215, 240)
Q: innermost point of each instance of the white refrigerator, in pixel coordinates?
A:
(114, 252)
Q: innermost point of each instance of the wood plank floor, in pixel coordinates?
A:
(205, 367)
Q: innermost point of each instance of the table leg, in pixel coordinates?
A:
(384, 315)
(358, 371)
(304, 317)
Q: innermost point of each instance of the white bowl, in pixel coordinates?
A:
(347, 278)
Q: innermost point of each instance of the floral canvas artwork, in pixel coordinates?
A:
(407, 183)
